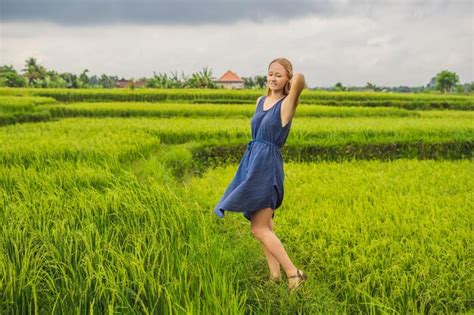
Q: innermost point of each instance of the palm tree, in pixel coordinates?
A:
(261, 81)
(206, 76)
(84, 79)
(34, 72)
(177, 82)
(202, 79)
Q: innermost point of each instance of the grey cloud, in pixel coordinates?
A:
(194, 12)
(384, 42)
(97, 12)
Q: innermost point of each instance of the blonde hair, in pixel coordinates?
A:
(289, 71)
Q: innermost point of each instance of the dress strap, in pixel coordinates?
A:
(261, 102)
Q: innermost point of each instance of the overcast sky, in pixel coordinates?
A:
(388, 43)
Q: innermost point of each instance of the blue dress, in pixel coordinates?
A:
(258, 182)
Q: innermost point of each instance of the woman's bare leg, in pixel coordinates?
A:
(260, 229)
(273, 264)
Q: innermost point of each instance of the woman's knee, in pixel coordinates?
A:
(259, 232)
(261, 222)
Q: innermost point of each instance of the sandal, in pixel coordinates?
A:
(274, 280)
(299, 274)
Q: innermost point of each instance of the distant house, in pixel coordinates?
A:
(140, 83)
(230, 80)
(122, 83)
(126, 83)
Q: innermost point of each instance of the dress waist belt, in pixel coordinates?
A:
(249, 145)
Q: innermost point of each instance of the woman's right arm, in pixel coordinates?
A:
(297, 85)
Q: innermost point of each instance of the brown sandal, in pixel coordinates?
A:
(299, 274)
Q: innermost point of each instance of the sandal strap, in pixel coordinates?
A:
(298, 274)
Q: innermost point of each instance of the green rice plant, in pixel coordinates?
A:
(45, 142)
(23, 103)
(78, 237)
(114, 215)
(367, 99)
(19, 109)
(384, 237)
(167, 110)
(24, 117)
(128, 139)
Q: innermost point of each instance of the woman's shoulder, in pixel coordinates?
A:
(259, 99)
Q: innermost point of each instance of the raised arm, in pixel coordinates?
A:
(297, 85)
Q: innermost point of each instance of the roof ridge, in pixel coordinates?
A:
(230, 76)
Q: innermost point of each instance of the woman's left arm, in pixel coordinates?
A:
(297, 85)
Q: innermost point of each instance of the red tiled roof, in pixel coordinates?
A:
(230, 76)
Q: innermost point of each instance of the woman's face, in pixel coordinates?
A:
(276, 77)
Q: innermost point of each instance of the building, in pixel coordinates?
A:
(126, 83)
(230, 80)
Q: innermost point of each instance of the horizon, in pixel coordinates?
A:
(390, 43)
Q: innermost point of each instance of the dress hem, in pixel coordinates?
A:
(220, 212)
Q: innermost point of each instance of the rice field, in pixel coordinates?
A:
(106, 206)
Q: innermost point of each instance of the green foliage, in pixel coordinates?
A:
(83, 81)
(372, 87)
(201, 80)
(162, 81)
(35, 73)
(37, 76)
(169, 110)
(470, 87)
(108, 209)
(10, 78)
(445, 80)
(339, 87)
(256, 82)
(15, 109)
(107, 82)
(381, 237)
(223, 96)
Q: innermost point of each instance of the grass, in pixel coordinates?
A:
(108, 214)
(373, 236)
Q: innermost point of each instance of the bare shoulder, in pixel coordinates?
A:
(298, 84)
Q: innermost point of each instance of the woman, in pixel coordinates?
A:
(257, 187)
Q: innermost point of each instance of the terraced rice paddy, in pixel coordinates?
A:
(107, 198)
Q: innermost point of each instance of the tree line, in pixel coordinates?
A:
(445, 82)
(35, 75)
